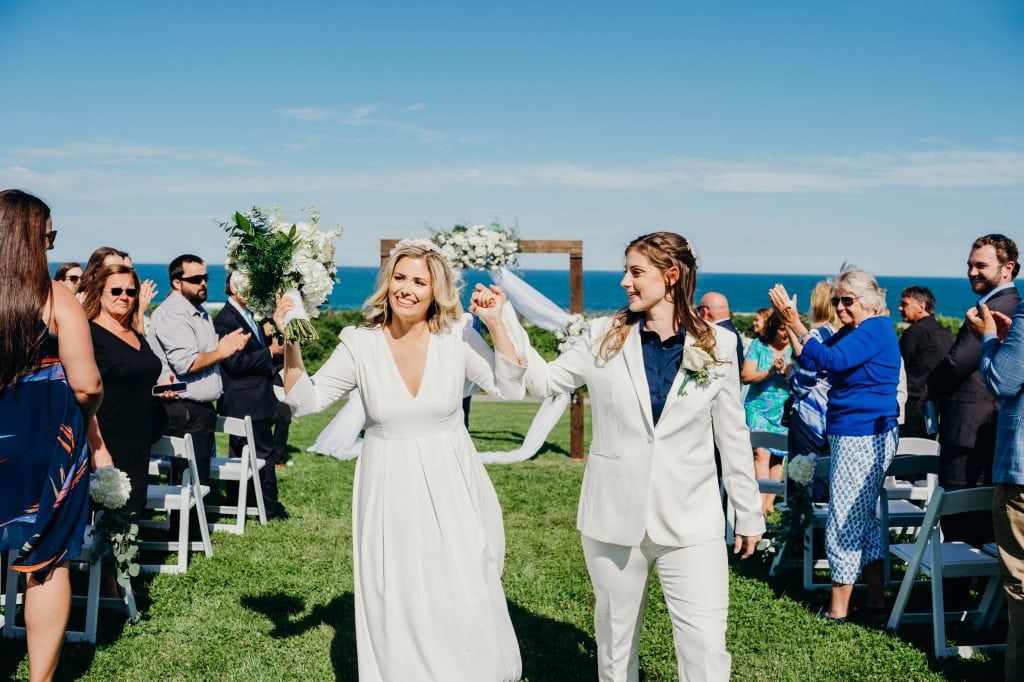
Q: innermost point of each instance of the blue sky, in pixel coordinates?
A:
(779, 137)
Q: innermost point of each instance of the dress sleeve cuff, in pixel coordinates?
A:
(301, 399)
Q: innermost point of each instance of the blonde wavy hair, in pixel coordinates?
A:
(445, 308)
(664, 250)
(822, 311)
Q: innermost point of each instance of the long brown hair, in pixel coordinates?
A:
(24, 280)
(95, 262)
(98, 282)
(664, 250)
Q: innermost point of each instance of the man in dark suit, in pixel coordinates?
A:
(714, 308)
(249, 390)
(967, 411)
(923, 345)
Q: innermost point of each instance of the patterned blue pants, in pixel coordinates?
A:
(852, 534)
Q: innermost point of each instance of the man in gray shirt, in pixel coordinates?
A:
(181, 333)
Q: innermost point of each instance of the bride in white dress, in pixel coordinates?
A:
(428, 538)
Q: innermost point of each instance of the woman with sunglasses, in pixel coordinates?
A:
(863, 363)
(108, 255)
(49, 390)
(68, 274)
(130, 417)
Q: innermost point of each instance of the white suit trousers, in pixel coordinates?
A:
(695, 582)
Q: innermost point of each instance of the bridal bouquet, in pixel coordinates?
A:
(114, 534)
(799, 511)
(573, 330)
(479, 247)
(269, 258)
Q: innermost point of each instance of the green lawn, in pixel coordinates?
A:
(276, 603)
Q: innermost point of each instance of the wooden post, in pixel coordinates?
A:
(575, 250)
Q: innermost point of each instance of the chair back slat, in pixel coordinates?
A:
(960, 501)
(170, 446)
(917, 446)
(909, 465)
(764, 439)
(232, 426)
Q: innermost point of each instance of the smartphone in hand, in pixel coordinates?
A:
(179, 387)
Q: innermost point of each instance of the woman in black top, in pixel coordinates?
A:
(130, 418)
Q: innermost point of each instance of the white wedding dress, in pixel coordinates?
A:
(429, 542)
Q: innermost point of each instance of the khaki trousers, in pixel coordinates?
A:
(1008, 523)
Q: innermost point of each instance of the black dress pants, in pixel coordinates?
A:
(199, 420)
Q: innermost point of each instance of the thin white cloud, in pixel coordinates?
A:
(912, 170)
(367, 116)
(117, 152)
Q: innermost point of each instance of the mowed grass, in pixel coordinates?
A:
(276, 603)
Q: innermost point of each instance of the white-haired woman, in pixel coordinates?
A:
(428, 540)
(862, 360)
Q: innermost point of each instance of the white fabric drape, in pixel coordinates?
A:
(340, 438)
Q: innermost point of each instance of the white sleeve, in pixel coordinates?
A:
(334, 380)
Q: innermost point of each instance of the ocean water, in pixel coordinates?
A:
(601, 292)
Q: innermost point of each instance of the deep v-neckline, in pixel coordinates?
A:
(398, 372)
(122, 340)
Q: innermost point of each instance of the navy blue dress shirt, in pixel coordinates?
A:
(661, 363)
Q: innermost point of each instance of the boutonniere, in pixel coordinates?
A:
(696, 364)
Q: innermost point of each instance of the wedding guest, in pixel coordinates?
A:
(49, 391)
(428, 542)
(714, 308)
(923, 345)
(809, 388)
(248, 378)
(182, 335)
(664, 391)
(767, 364)
(863, 361)
(108, 255)
(1002, 362)
(68, 274)
(131, 418)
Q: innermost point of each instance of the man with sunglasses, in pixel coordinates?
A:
(967, 411)
(181, 333)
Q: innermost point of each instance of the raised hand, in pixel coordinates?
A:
(983, 321)
(284, 304)
(785, 305)
(486, 303)
(147, 292)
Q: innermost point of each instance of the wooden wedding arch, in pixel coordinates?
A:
(574, 249)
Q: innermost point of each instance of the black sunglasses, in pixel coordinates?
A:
(117, 291)
(845, 300)
(71, 278)
(51, 237)
(195, 279)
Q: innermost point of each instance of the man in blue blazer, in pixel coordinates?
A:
(1002, 368)
(249, 390)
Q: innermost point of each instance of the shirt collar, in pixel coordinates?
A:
(676, 339)
(986, 297)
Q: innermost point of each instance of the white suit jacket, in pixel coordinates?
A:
(659, 479)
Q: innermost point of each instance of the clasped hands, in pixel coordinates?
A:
(487, 303)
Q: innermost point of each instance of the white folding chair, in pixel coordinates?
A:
(13, 595)
(182, 499)
(902, 513)
(774, 441)
(906, 490)
(241, 470)
(822, 469)
(938, 560)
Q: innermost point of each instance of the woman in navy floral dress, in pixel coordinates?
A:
(49, 391)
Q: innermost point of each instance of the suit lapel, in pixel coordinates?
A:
(633, 354)
(673, 393)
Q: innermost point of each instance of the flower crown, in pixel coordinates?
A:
(421, 243)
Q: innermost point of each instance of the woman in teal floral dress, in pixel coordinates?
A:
(768, 362)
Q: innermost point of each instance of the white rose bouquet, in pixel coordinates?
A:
(269, 258)
(114, 534)
(480, 247)
(571, 332)
(799, 510)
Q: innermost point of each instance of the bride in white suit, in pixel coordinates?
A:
(664, 391)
